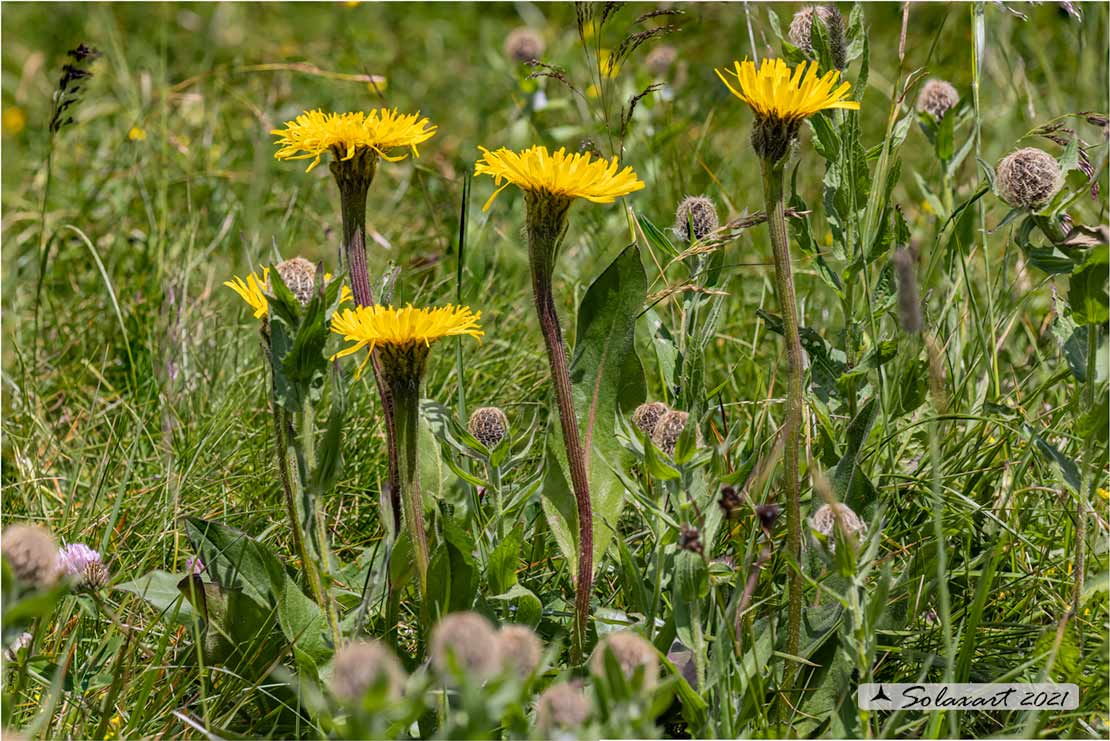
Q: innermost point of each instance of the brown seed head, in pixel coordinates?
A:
(32, 555)
(730, 502)
(668, 429)
(1029, 178)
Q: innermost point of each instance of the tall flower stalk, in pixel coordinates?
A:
(551, 182)
(357, 141)
(401, 340)
(781, 99)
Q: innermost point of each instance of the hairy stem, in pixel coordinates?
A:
(546, 225)
(792, 424)
(406, 397)
(353, 178)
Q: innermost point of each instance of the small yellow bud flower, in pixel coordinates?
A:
(1104, 494)
(136, 134)
(14, 120)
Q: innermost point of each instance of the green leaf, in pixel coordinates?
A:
(159, 589)
(238, 562)
(607, 380)
(526, 606)
(503, 562)
(1087, 293)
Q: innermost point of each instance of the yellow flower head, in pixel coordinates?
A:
(313, 133)
(253, 291)
(570, 176)
(773, 91)
(403, 329)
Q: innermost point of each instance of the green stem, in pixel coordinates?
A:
(792, 423)
(406, 399)
(308, 446)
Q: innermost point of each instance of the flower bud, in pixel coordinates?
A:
(562, 706)
(31, 553)
(698, 212)
(824, 521)
(647, 416)
(668, 429)
(523, 44)
(937, 97)
(362, 665)
(83, 565)
(1029, 178)
(471, 640)
(488, 425)
(631, 651)
(520, 649)
(299, 276)
(801, 32)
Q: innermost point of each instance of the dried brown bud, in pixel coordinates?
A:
(698, 212)
(801, 32)
(768, 514)
(647, 416)
(299, 276)
(689, 539)
(937, 97)
(730, 502)
(489, 425)
(668, 429)
(1029, 178)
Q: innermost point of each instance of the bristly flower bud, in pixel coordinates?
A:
(668, 429)
(801, 32)
(523, 44)
(520, 650)
(825, 519)
(768, 514)
(562, 706)
(299, 276)
(647, 416)
(631, 651)
(1029, 178)
(689, 539)
(937, 97)
(32, 555)
(488, 425)
(362, 665)
(698, 212)
(909, 300)
(471, 640)
(772, 137)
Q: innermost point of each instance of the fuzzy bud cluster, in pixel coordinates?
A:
(937, 97)
(631, 652)
(488, 425)
(1029, 178)
(363, 664)
(801, 32)
(695, 218)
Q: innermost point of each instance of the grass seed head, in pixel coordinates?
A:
(562, 706)
(937, 97)
(824, 522)
(631, 651)
(361, 665)
(472, 640)
(520, 649)
(489, 425)
(299, 276)
(698, 212)
(801, 31)
(647, 416)
(31, 553)
(523, 44)
(1029, 178)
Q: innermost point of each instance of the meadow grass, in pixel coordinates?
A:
(135, 391)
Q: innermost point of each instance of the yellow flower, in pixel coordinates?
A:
(570, 176)
(773, 91)
(313, 133)
(13, 120)
(375, 326)
(1104, 493)
(136, 134)
(253, 291)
